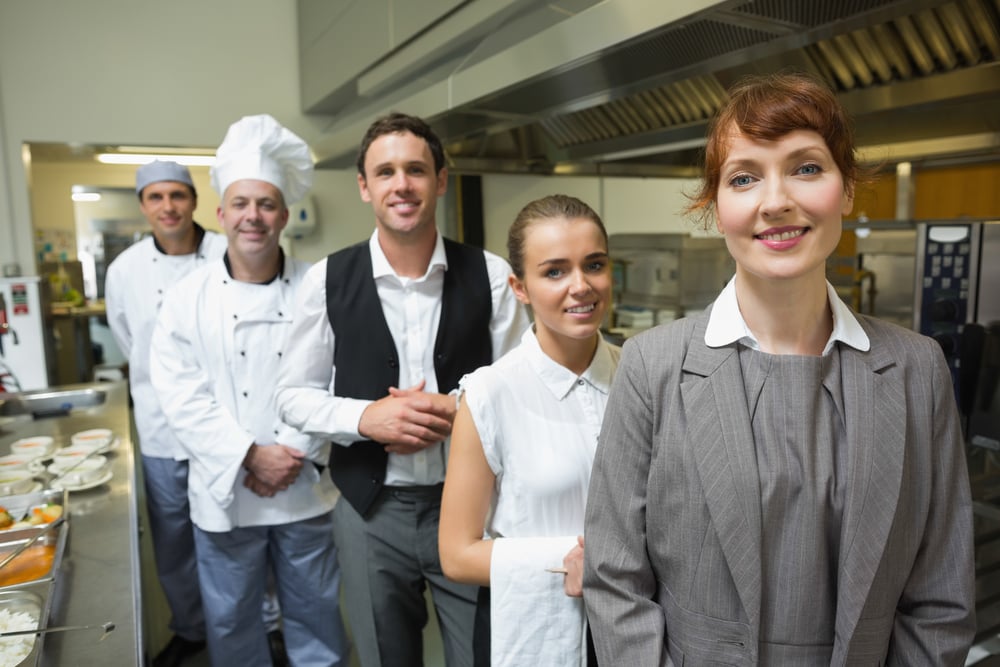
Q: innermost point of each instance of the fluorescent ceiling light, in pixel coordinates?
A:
(86, 196)
(146, 158)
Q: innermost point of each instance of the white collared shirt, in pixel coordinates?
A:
(539, 423)
(412, 308)
(726, 324)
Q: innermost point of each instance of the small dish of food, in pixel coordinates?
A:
(95, 438)
(67, 456)
(36, 447)
(78, 472)
(15, 462)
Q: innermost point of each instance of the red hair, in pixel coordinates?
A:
(767, 108)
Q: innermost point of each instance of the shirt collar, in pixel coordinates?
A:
(726, 324)
(382, 268)
(199, 232)
(559, 379)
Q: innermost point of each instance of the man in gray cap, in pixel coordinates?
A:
(261, 498)
(136, 283)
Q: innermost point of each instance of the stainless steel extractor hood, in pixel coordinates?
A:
(626, 86)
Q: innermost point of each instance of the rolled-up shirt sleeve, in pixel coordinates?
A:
(304, 395)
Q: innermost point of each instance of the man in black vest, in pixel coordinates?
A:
(382, 332)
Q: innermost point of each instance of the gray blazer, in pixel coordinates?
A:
(672, 561)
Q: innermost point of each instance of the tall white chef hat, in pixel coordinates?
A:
(259, 148)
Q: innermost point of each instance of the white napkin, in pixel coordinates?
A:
(532, 620)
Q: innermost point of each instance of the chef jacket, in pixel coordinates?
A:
(214, 359)
(136, 283)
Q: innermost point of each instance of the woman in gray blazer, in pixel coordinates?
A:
(779, 480)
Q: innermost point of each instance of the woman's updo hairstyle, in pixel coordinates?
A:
(546, 208)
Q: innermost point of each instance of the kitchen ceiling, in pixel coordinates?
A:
(920, 77)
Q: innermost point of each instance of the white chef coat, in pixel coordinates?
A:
(215, 354)
(412, 308)
(136, 283)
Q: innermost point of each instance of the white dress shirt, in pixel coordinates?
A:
(136, 283)
(412, 308)
(539, 422)
(726, 324)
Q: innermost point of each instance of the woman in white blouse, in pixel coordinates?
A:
(523, 444)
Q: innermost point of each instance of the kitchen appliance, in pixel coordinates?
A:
(957, 283)
(660, 277)
(25, 351)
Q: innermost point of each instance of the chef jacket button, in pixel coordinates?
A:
(225, 282)
(279, 353)
(243, 353)
(244, 394)
(276, 431)
(235, 317)
(280, 314)
(392, 363)
(159, 291)
(580, 382)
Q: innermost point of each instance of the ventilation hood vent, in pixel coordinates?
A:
(911, 72)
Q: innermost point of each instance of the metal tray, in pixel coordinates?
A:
(19, 505)
(12, 539)
(36, 599)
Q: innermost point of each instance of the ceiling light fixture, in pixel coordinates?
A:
(86, 196)
(146, 158)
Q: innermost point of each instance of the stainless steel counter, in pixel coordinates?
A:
(99, 579)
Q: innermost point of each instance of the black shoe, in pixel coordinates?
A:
(177, 651)
(276, 643)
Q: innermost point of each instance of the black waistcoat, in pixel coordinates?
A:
(365, 354)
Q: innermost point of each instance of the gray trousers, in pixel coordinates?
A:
(387, 560)
(234, 575)
(173, 543)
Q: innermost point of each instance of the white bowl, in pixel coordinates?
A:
(95, 438)
(36, 447)
(15, 462)
(67, 456)
(15, 481)
(76, 473)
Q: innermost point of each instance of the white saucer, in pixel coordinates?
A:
(35, 488)
(115, 441)
(59, 486)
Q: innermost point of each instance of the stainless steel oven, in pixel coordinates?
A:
(957, 301)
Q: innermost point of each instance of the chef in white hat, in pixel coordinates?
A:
(260, 497)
